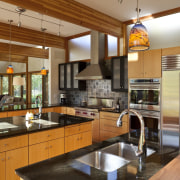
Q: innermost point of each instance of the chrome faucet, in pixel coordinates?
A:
(40, 104)
(142, 135)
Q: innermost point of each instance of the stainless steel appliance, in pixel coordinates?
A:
(144, 97)
(63, 98)
(171, 99)
(144, 94)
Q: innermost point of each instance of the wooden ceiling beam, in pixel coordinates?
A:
(73, 12)
(24, 51)
(14, 58)
(24, 35)
(155, 15)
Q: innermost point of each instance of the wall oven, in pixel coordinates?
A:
(144, 94)
(144, 97)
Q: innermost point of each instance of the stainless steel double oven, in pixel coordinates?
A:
(144, 96)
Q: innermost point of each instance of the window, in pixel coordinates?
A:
(112, 44)
(4, 84)
(80, 48)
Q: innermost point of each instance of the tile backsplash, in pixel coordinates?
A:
(98, 89)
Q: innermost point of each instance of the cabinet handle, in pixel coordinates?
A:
(2, 159)
(78, 139)
(8, 158)
(5, 145)
(50, 146)
(46, 147)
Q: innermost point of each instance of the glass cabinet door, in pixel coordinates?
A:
(61, 76)
(68, 76)
(116, 74)
(75, 72)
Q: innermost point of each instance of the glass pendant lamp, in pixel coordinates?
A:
(138, 38)
(10, 69)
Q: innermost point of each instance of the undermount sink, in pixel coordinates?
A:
(44, 122)
(6, 125)
(103, 161)
(127, 151)
(112, 157)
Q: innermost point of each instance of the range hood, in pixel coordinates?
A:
(97, 69)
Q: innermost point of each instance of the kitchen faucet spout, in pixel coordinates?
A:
(142, 134)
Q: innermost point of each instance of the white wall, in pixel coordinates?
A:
(18, 67)
(56, 56)
(163, 32)
(35, 64)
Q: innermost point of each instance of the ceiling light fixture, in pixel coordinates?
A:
(138, 38)
(9, 69)
(20, 10)
(43, 69)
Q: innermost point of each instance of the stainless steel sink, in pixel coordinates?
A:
(103, 161)
(127, 151)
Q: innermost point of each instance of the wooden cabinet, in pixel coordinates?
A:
(171, 51)
(14, 154)
(45, 110)
(2, 166)
(119, 67)
(67, 73)
(46, 144)
(108, 125)
(17, 113)
(3, 114)
(70, 111)
(78, 136)
(95, 130)
(144, 64)
(15, 159)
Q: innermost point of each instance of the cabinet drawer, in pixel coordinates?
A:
(109, 115)
(13, 143)
(75, 129)
(70, 111)
(111, 126)
(38, 137)
(3, 114)
(45, 110)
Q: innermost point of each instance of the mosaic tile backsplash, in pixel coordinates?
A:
(98, 89)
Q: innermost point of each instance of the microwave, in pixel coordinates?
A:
(144, 94)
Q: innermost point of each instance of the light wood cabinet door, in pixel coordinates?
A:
(56, 147)
(38, 152)
(45, 110)
(135, 65)
(71, 143)
(70, 111)
(2, 166)
(85, 139)
(152, 63)
(17, 113)
(95, 130)
(106, 135)
(15, 159)
(3, 114)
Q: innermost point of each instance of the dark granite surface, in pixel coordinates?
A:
(65, 167)
(24, 127)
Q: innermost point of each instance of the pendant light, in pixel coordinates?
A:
(43, 69)
(138, 38)
(20, 10)
(9, 69)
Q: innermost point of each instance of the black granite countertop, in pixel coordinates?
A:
(65, 167)
(19, 126)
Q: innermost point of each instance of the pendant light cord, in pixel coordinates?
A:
(138, 10)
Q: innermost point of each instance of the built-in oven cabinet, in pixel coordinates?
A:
(144, 64)
(67, 73)
(119, 67)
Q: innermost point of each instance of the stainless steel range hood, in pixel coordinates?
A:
(96, 69)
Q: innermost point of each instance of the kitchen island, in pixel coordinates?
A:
(51, 134)
(67, 167)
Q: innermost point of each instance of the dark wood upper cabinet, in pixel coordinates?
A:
(67, 73)
(119, 67)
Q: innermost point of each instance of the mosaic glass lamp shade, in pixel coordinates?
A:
(43, 71)
(10, 69)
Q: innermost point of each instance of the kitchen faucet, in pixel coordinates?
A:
(142, 135)
(40, 104)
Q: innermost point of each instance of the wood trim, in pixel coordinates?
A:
(155, 15)
(118, 47)
(14, 58)
(74, 12)
(24, 51)
(66, 51)
(171, 51)
(29, 36)
(125, 43)
(85, 60)
(27, 83)
(106, 46)
(78, 35)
